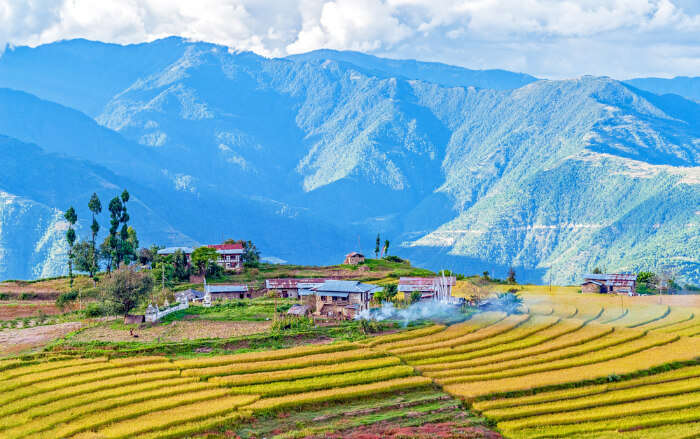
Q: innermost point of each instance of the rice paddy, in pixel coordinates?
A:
(573, 366)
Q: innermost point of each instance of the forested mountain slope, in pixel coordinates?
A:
(467, 170)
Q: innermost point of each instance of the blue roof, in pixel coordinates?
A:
(226, 288)
(345, 286)
(171, 250)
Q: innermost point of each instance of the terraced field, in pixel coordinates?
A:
(579, 367)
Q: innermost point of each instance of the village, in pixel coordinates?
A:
(335, 297)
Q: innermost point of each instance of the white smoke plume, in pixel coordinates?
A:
(436, 311)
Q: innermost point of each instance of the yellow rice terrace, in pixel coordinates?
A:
(572, 365)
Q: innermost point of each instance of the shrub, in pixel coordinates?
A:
(64, 298)
(396, 259)
(292, 323)
(28, 296)
(94, 310)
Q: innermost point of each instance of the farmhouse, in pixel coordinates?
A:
(354, 258)
(289, 287)
(619, 283)
(227, 291)
(230, 255)
(428, 287)
(340, 299)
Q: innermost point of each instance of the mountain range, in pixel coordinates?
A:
(312, 155)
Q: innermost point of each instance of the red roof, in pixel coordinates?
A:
(226, 246)
(291, 282)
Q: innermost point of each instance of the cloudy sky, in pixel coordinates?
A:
(547, 38)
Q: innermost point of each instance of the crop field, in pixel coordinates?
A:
(572, 366)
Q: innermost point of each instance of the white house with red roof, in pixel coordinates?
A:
(230, 255)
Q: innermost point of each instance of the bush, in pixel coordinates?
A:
(292, 323)
(94, 310)
(65, 298)
(27, 296)
(394, 259)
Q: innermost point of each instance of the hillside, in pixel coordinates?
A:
(465, 170)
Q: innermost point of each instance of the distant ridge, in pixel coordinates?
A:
(438, 73)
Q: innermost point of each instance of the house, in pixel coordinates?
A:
(227, 291)
(429, 287)
(172, 250)
(618, 283)
(191, 295)
(299, 310)
(354, 258)
(230, 255)
(289, 287)
(340, 299)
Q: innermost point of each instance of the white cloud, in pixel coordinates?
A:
(551, 38)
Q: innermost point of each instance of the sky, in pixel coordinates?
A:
(546, 38)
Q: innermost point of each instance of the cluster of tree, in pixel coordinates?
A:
(166, 269)
(384, 250)
(120, 245)
(662, 282)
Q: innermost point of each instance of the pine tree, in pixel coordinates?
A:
(72, 218)
(95, 207)
(376, 246)
(385, 250)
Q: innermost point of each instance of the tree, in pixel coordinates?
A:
(390, 291)
(597, 270)
(146, 256)
(511, 275)
(251, 255)
(415, 296)
(82, 256)
(105, 253)
(125, 288)
(95, 207)
(181, 268)
(72, 218)
(376, 246)
(115, 218)
(385, 249)
(204, 258)
(127, 235)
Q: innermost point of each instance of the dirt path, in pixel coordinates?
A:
(13, 341)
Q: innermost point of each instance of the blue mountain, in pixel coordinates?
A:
(307, 155)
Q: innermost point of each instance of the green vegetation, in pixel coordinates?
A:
(257, 309)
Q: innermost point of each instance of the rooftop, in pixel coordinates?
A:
(171, 250)
(345, 286)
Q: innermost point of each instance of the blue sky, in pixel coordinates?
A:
(546, 38)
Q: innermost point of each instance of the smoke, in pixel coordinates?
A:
(436, 311)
